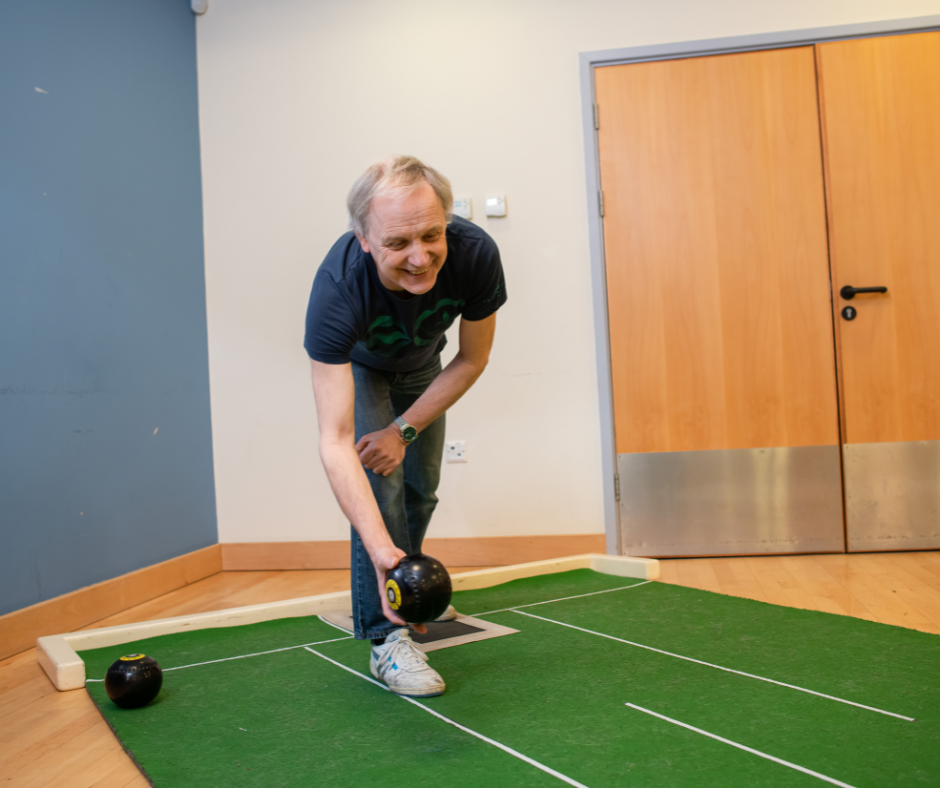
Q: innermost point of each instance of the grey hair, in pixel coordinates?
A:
(395, 172)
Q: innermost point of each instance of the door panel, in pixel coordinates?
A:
(881, 122)
(892, 495)
(718, 284)
(715, 244)
(765, 500)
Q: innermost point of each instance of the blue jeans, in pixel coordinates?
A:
(406, 497)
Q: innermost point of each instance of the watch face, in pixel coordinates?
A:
(409, 433)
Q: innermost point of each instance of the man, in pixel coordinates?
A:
(381, 302)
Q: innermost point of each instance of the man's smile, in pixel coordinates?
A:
(407, 238)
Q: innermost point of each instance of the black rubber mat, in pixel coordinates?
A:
(441, 630)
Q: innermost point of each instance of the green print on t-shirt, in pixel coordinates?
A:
(434, 322)
(386, 336)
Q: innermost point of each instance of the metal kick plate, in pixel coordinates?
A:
(731, 501)
(892, 495)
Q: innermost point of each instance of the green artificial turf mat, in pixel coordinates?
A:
(203, 645)
(293, 719)
(537, 589)
(558, 695)
(879, 665)
(554, 694)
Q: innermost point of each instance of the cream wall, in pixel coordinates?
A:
(296, 97)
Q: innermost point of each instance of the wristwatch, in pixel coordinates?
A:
(408, 433)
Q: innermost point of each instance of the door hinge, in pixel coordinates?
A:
(597, 119)
(617, 486)
(600, 202)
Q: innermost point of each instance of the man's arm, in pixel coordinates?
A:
(383, 451)
(335, 393)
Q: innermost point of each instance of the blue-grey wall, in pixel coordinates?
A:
(105, 438)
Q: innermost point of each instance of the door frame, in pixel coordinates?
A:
(671, 51)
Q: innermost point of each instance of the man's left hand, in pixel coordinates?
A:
(383, 451)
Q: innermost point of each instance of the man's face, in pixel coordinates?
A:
(406, 238)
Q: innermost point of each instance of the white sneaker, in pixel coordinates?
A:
(403, 667)
(448, 615)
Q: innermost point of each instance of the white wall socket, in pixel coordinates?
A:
(456, 451)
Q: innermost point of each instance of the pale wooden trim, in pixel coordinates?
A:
(19, 629)
(620, 565)
(457, 551)
(56, 653)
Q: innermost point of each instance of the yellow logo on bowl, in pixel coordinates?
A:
(132, 657)
(393, 592)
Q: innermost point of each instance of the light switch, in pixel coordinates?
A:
(463, 207)
(496, 206)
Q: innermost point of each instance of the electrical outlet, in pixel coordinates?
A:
(456, 451)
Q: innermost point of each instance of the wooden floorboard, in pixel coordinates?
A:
(51, 738)
(902, 589)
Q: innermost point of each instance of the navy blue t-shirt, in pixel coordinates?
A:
(353, 316)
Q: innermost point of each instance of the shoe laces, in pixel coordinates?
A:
(406, 655)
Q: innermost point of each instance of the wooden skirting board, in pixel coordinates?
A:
(457, 551)
(58, 657)
(20, 629)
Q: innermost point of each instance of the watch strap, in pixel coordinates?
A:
(407, 431)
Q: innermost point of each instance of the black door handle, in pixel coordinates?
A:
(848, 292)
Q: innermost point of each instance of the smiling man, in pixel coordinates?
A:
(381, 301)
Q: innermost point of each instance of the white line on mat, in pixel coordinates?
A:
(245, 656)
(742, 747)
(449, 721)
(331, 624)
(717, 667)
(563, 599)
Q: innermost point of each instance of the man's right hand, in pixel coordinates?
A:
(384, 560)
(335, 391)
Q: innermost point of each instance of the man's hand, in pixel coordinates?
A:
(385, 559)
(383, 451)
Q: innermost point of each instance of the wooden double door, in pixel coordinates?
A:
(761, 403)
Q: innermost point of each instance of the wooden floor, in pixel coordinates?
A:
(50, 738)
(894, 588)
